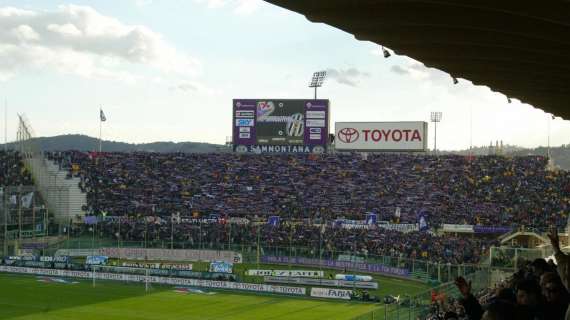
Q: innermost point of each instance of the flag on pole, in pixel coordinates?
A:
(102, 115)
(273, 221)
(422, 220)
(27, 200)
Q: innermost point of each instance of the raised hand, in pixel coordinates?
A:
(463, 286)
(554, 239)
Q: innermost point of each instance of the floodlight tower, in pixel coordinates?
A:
(435, 118)
(317, 80)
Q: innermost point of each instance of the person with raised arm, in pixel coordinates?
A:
(562, 261)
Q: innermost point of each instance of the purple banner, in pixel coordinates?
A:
(34, 245)
(90, 219)
(353, 266)
(280, 125)
(491, 229)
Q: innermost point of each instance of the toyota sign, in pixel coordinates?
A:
(381, 136)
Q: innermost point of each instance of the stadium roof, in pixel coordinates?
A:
(519, 48)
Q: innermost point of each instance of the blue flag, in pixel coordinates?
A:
(371, 218)
(273, 221)
(422, 220)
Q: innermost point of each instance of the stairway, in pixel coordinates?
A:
(62, 194)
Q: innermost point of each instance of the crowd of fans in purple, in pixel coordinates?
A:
(490, 190)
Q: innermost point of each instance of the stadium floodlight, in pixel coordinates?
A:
(318, 80)
(435, 118)
(455, 81)
(385, 52)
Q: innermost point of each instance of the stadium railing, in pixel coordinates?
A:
(428, 303)
(430, 272)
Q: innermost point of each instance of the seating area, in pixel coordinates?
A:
(489, 190)
(12, 171)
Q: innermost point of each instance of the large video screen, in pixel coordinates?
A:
(280, 126)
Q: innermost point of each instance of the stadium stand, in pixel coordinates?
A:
(12, 171)
(378, 242)
(490, 190)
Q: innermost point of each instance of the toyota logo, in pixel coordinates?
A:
(348, 135)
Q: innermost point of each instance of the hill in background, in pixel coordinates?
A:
(86, 143)
(560, 155)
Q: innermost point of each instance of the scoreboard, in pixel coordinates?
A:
(280, 125)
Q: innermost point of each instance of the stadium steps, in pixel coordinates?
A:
(62, 194)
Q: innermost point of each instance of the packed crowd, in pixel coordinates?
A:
(314, 239)
(12, 171)
(489, 190)
(538, 291)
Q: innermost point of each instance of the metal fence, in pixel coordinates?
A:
(421, 270)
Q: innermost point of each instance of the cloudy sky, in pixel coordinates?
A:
(167, 70)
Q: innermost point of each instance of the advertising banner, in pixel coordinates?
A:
(457, 228)
(76, 252)
(96, 260)
(62, 259)
(280, 125)
(354, 224)
(350, 258)
(402, 227)
(381, 136)
(353, 277)
(34, 245)
(287, 273)
(331, 293)
(491, 229)
(334, 264)
(221, 266)
(167, 266)
(156, 254)
(322, 282)
(253, 287)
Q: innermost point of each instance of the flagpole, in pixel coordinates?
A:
(258, 251)
(548, 152)
(93, 238)
(119, 241)
(100, 129)
(5, 124)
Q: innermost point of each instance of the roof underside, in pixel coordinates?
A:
(519, 48)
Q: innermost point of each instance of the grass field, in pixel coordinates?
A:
(24, 297)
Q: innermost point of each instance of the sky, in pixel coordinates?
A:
(167, 70)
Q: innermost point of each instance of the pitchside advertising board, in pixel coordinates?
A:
(381, 136)
(280, 126)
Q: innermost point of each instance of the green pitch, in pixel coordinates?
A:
(23, 297)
